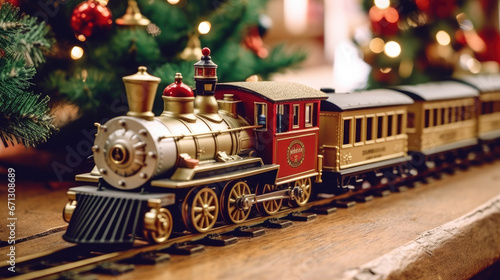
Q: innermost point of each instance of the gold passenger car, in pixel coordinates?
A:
(488, 127)
(442, 118)
(363, 132)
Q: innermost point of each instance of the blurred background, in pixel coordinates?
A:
(62, 61)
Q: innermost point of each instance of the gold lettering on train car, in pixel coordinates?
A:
(373, 151)
(295, 153)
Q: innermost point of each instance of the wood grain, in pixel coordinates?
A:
(345, 244)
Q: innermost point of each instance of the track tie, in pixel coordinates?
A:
(149, 257)
(344, 203)
(301, 216)
(218, 240)
(112, 268)
(249, 231)
(69, 275)
(185, 248)
(277, 223)
(363, 198)
(402, 189)
(382, 193)
(324, 210)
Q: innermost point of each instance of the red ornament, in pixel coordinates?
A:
(13, 2)
(88, 16)
(384, 21)
(178, 88)
(2, 53)
(253, 41)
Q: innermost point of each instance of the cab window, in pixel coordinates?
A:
(296, 115)
(282, 118)
(347, 131)
(261, 115)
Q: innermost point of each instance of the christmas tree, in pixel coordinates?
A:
(415, 41)
(24, 117)
(100, 41)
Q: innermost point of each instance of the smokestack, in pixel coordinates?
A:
(141, 90)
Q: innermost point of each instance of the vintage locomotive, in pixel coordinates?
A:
(221, 152)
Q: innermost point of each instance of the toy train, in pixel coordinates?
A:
(222, 152)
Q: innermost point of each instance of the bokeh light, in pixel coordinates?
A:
(443, 38)
(377, 45)
(392, 49)
(204, 27)
(382, 4)
(76, 52)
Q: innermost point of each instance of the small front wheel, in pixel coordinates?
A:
(158, 225)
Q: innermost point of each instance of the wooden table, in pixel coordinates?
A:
(446, 229)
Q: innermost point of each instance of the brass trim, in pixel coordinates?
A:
(166, 183)
(119, 154)
(402, 154)
(88, 177)
(217, 132)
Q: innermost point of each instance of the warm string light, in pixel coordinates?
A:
(173, 2)
(382, 4)
(392, 49)
(76, 53)
(204, 27)
(443, 38)
(377, 45)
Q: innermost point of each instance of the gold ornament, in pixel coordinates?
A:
(193, 49)
(133, 16)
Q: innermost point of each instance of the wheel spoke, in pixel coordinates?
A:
(197, 209)
(275, 204)
(197, 218)
(198, 201)
(205, 197)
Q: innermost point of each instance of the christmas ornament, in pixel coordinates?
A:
(13, 2)
(133, 16)
(265, 23)
(2, 53)
(384, 21)
(88, 17)
(253, 41)
(193, 49)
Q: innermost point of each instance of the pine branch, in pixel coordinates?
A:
(25, 120)
(24, 117)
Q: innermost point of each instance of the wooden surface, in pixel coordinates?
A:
(370, 241)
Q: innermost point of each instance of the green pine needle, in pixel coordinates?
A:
(24, 116)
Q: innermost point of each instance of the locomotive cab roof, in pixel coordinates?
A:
(438, 91)
(364, 99)
(275, 91)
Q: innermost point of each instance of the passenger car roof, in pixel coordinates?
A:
(484, 83)
(364, 99)
(438, 91)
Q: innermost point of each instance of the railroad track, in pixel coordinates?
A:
(81, 262)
